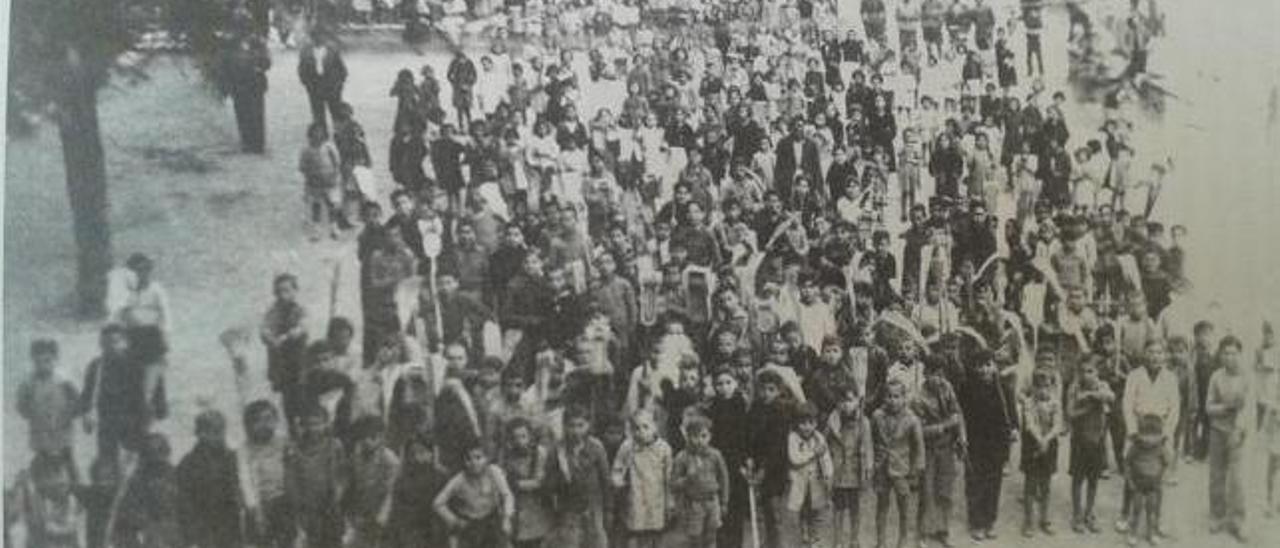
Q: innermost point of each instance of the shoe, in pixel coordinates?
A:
(977, 536)
(1133, 540)
(1152, 540)
(1122, 526)
(944, 542)
(1237, 534)
(991, 534)
(1028, 531)
(1077, 526)
(1046, 529)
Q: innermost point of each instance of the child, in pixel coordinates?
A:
(98, 498)
(899, 458)
(315, 479)
(1089, 403)
(271, 523)
(808, 490)
(1146, 461)
(145, 515)
(45, 503)
(581, 471)
(49, 402)
(525, 464)
(208, 482)
(938, 410)
(374, 467)
(1041, 427)
(284, 334)
(412, 522)
(730, 428)
(701, 480)
(477, 504)
(767, 459)
(849, 431)
(115, 388)
(642, 469)
(320, 166)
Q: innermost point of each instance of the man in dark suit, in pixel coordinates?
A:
(796, 154)
(323, 73)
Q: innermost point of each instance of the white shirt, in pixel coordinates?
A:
(1146, 396)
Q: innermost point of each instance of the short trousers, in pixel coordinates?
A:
(702, 518)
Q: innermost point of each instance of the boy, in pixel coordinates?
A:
(849, 432)
(284, 334)
(145, 514)
(271, 521)
(373, 468)
(581, 470)
(1089, 403)
(730, 428)
(114, 387)
(315, 483)
(1147, 460)
(477, 503)
(44, 501)
(321, 169)
(767, 459)
(942, 428)
(1228, 415)
(207, 478)
(49, 402)
(808, 489)
(899, 458)
(701, 480)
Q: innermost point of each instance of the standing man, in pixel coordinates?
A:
(249, 63)
(323, 73)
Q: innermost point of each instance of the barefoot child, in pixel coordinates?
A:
(1090, 401)
(642, 469)
(899, 459)
(1042, 424)
(1147, 460)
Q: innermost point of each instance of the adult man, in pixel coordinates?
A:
(323, 73)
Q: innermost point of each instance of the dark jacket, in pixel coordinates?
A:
(326, 83)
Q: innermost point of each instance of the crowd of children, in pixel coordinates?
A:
(689, 320)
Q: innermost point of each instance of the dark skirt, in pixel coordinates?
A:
(1088, 458)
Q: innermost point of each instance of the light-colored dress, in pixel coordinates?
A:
(645, 471)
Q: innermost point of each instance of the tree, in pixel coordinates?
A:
(61, 53)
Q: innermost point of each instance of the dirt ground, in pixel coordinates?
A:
(221, 224)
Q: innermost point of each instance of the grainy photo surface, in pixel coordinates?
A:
(641, 273)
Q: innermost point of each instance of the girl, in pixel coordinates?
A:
(1041, 427)
(1089, 402)
(320, 167)
(642, 469)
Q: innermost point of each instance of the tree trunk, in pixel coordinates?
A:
(86, 173)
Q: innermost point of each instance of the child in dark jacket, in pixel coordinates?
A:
(767, 460)
(413, 523)
(730, 428)
(147, 511)
(209, 508)
(701, 482)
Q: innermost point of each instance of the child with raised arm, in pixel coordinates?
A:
(581, 473)
(642, 469)
(525, 463)
(1042, 425)
(701, 482)
(899, 459)
(477, 504)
